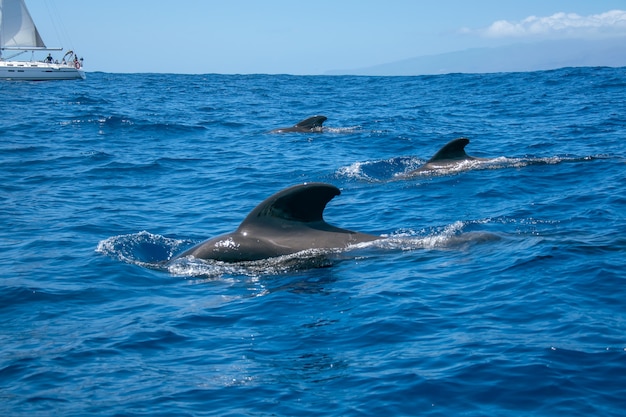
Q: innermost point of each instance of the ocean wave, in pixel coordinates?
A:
(406, 167)
(452, 236)
(121, 122)
(152, 251)
(212, 269)
(486, 280)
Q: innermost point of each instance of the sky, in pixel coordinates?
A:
(303, 37)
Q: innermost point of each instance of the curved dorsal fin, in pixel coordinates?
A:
(304, 203)
(312, 122)
(455, 149)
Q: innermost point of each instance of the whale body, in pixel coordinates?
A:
(450, 154)
(287, 222)
(311, 125)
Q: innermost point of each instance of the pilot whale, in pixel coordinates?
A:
(287, 222)
(450, 154)
(312, 124)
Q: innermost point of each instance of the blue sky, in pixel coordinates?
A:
(303, 37)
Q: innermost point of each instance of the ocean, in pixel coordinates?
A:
(498, 286)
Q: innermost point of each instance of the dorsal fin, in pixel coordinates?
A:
(303, 203)
(455, 149)
(312, 122)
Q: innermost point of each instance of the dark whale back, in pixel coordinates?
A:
(287, 222)
(449, 154)
(451, 151)
(312, 124)
(301, 203)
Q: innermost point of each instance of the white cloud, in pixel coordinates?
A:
(560, 24)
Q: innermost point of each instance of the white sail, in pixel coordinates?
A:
(17, 29)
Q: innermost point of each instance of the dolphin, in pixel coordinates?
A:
(312, 124)
(450, 154)
(287, 222)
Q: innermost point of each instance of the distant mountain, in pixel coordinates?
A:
(513, 58)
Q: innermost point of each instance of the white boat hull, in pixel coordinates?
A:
(39, 71)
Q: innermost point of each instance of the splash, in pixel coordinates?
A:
(448, 237)
(400, 168)
(375, 171)
(154, 251)
(213, 269)
(143, 249)
(157, 252)
(497, 163)
(355, 171)
(343, 130)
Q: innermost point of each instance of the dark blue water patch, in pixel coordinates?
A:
(497, 289)
(117, 124)
(150, 341)
(89, 100)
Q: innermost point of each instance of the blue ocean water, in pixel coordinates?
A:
(499, 288)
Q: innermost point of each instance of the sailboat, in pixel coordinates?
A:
(19, 34)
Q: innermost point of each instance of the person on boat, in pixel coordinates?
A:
(49, 59)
